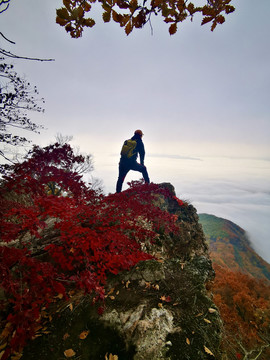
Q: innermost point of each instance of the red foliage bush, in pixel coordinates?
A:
(74, 238)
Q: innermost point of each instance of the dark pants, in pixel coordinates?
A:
(124, 168)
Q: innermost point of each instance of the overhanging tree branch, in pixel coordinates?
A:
(14, 56)
(4, 3)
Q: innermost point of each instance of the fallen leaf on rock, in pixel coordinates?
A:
(111, 357)
(111, 291)
(200, 314)
(16, 356)
(69, 353)
(208, 351)
(65, 336)
(59, 296)
(83, 335)
(7, 330)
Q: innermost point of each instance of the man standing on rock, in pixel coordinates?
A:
(129, 154)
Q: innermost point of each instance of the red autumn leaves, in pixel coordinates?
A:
(73, 238)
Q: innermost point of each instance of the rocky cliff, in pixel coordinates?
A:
(230, 247)
(160, 309)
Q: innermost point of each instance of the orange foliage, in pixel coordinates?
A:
(244, 304)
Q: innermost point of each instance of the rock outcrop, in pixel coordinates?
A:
(160, 310)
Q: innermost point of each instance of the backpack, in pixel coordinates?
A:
(128, 149)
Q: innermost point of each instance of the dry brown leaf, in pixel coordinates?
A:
(16, 356)
(83, 335)
(163, 298)
(112, 297)
(69, 353)
(127, 284)
(160, 305)
(211, 310)
(37, 328)
(65, 336)
(59, 296)
(111, 291)
(207, 321)
(71, 306)
(156, 287)
(117, 293)
(182, 266)
(71, 293)
(188, 341)
(111, 357)
(7, 330)
(208, 351)
(200, 314)
(147, 285)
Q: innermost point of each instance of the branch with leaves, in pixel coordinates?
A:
(4, 4)
(131, 14)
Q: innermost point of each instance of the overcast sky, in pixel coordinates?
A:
(200, 97)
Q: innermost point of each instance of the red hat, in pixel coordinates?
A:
(139, 132)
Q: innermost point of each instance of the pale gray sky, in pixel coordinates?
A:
(197, 95)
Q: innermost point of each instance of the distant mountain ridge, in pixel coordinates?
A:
(230, 247)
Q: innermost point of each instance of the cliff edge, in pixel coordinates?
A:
(161, 309)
